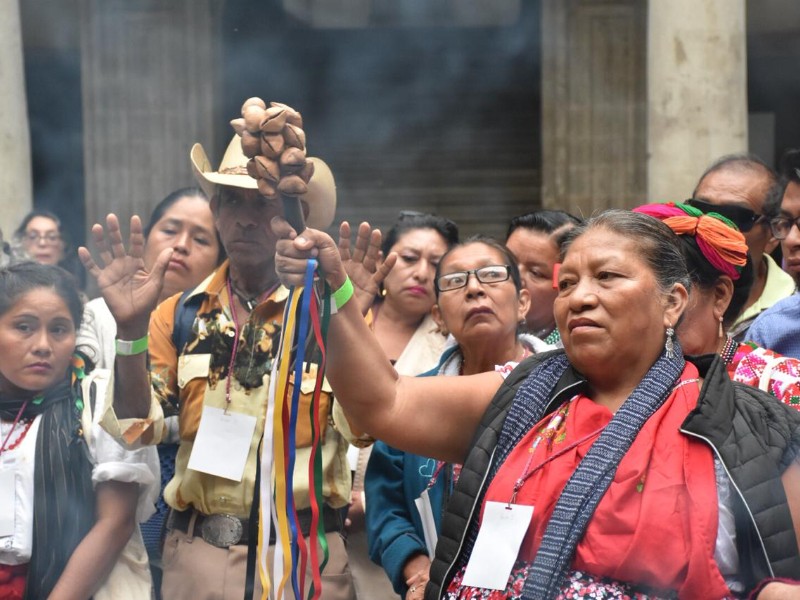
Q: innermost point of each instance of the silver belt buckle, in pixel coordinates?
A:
(221, 530)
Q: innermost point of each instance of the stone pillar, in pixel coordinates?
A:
(696, 91)
(148, 71)
(593, 104)
(16, 187)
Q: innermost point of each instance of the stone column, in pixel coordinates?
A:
(16, 188)
(593, 104)
(148, 72)
(696, 91)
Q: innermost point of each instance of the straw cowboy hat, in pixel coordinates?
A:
(320, 198)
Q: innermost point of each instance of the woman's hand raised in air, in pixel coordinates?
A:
(129, 289)
(365, 265)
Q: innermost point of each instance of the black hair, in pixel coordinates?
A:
(409, 220)
(70, 262)
(171, 198)
(790, 165)
(556, 222)
(511, 260)
(705, 276)
(41, 212)
(658, 245)
(789, 169)
(162, 207)
(18, 279)
(746, 161)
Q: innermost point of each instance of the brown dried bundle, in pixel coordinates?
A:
(274, 140)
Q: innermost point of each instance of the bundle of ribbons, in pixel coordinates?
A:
(273, 139)
(306, 319)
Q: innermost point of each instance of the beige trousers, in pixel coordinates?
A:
(196, 570)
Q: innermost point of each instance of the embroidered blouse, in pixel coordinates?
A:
(764, 369)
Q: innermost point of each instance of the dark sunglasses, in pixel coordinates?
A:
(742, 217)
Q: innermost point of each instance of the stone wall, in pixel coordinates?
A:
(16, 189)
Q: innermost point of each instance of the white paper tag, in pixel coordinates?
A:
(502, 529)
(222, 443)
(8, 495)
(352, 457)
(428, 523)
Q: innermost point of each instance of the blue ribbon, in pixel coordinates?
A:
(302, 334)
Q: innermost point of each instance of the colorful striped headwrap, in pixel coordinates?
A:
(717, 237)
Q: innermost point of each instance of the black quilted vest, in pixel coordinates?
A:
(755, 437)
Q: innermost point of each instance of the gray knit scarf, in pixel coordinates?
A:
(589, 482)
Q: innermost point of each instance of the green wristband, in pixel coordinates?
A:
(343, 294)
(130, 348)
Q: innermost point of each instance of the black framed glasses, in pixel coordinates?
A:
(744, 218)
(49, 238)
(781, 226)
(459, 279)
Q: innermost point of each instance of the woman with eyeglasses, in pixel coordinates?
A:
(481, 303)
(41, 238)
(400, 317)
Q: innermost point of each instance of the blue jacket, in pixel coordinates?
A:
(393, 481)
(778, 327)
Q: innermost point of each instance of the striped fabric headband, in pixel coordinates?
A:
(721, 243)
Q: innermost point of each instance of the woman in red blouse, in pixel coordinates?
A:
(613, 469)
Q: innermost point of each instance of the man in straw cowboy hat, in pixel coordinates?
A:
(212, 368)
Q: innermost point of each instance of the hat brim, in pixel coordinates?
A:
(320, 198)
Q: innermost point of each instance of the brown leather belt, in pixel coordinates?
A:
(222, 530)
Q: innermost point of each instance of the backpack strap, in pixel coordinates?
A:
(185, 313)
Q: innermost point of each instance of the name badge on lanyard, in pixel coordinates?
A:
(423, 504)
(222, 443)
(503, 528)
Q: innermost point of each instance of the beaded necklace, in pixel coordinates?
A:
(21, 436)
(551, 430)
(729, 350)
(548, 433)
(553, 338)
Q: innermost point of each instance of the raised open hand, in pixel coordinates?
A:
(365, 265)
(129, 289)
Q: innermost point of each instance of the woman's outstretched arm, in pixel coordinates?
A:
(433, 416)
